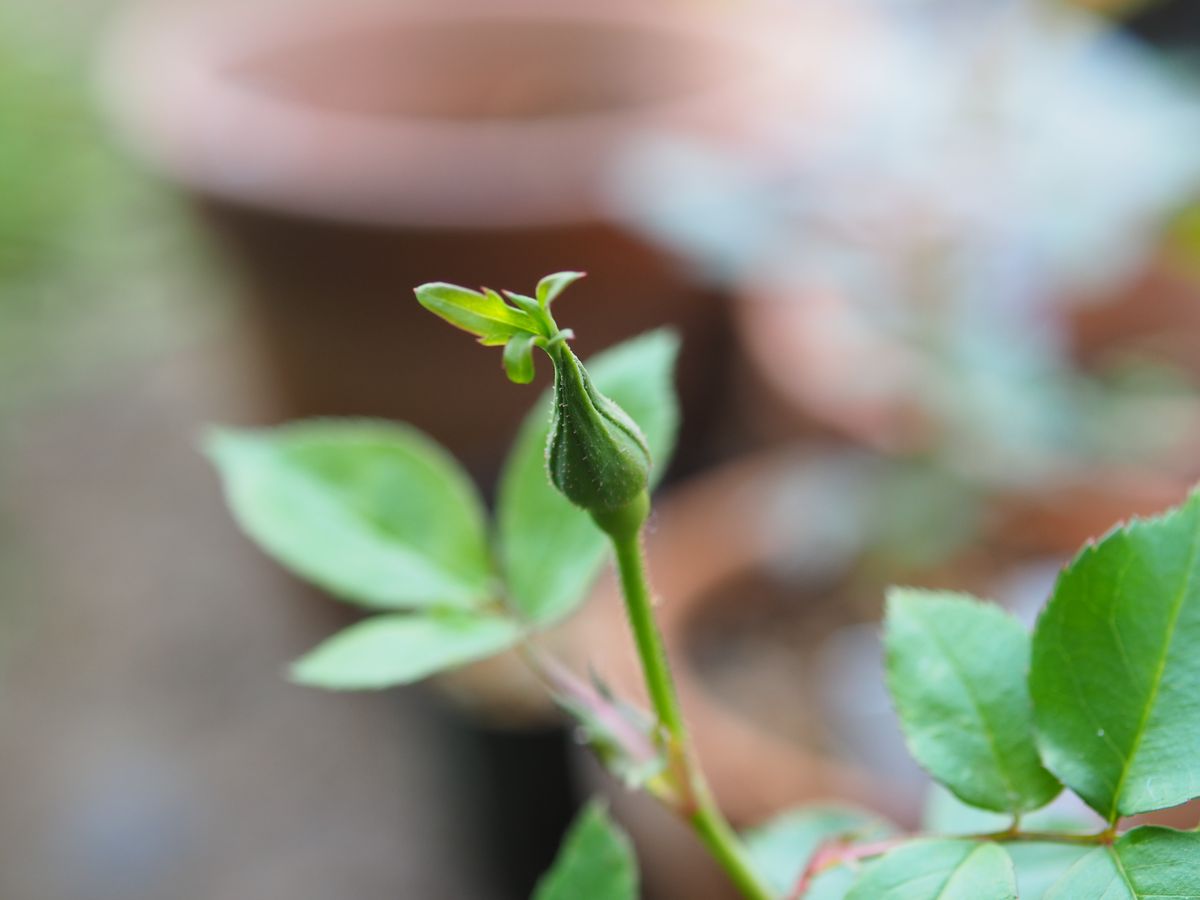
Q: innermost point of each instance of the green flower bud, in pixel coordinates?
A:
(596, 454)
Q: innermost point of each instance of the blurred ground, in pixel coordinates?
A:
(151, 746)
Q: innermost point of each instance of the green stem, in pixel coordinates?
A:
(701, 809)
(639, 606)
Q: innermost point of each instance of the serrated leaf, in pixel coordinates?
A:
(1116, 665)
(550, 550)
(938, 870)
(956, 670)
(389, 650)
(484, 315)
(595, 862)
(781, 849)
(551, 286)
(1148, 863)
(518, 358)
(374, 513)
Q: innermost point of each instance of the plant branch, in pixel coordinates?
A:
(700, 809)
(838, 852)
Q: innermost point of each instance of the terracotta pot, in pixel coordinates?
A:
(1157, 314)
(345, 152)
(820, 362)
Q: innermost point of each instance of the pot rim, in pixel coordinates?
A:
(253, 148)
(900, 422)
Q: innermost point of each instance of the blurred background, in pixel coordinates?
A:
(937, 268)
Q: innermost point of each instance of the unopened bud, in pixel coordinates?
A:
(596, 454)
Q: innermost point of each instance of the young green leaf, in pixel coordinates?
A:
(595, 862)
(956, 670)
(938, 870)
(518, 358)
(781, 849)
(389, 650)
(551, 286)
(551, 550)
(374, 513)
(1115, 668)
(484, 315)
(1148, 863)
(525, 304)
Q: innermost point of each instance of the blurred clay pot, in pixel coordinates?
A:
(1157, 314)
(818, 365)
(346, 152)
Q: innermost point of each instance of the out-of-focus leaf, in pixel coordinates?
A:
(938, 870)
(595, 862)
(374, 513)
(781, 849)
(390, 650)
(1148, 863)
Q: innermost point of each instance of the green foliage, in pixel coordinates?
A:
(550, 551)
(1038, 864)
(551, 286)
(401, 648)
(374, 513)
(939, 870)
(780, 849)
(484, 315)
(518, 358)
(956, 669)
(379, 515)
(595, 862)
(1102, 696)
(1146, 864)
(1116, 668)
